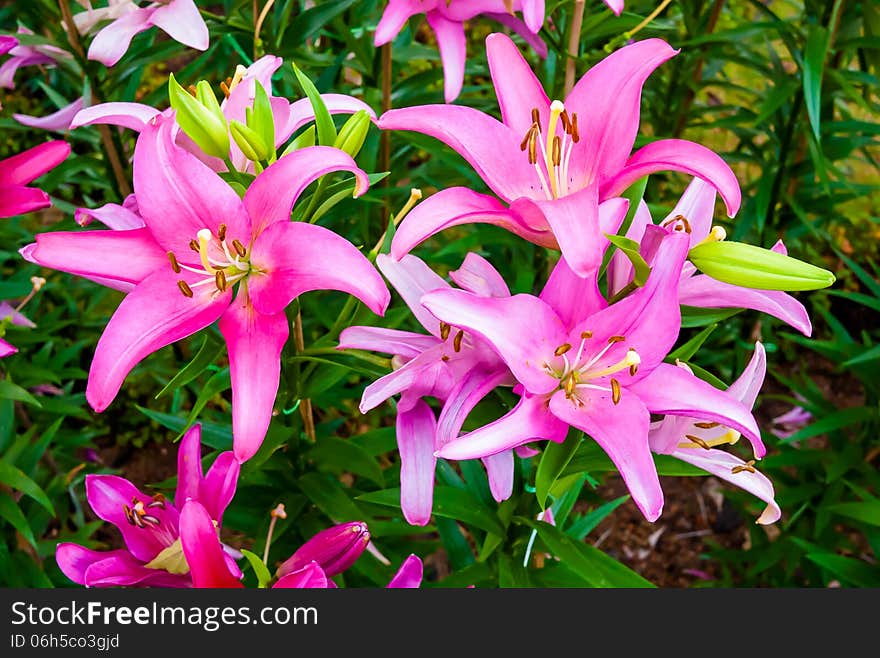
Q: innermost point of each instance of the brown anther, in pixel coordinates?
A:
(536, 116)
(706, 426)
(525, 140)
(748, 466)
(685, 224)
(184, 288)
(586, 334)
(562, 349)
(239, 248)
(616, 339)
(633, 369)
(615, 391)
(557, 151)
(566, 122)
(444, 358)
(158, 501)
(174, 264)
(191, 89)
(194, 246)
(220, 280)
(456, 342)
(533, 148)
(444, 330)
(221, 232)
(225, 89)
(698, 441)
(575, 137)
(129, 514)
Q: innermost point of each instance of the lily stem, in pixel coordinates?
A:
(574, 38)
(104, 130)
(305, 407)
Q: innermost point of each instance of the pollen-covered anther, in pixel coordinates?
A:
(615, 391)
(536, 116)
(575, 136)
(557, 151)
(184, 288)
(220, 280)
(174, 264)
(444, 330)
(239, 248)
(585, 335)
(158, 501)
(562, 349)
(679, 223)
(706, 426)
(456, 342)
(616, 339)
(194, 246)
(700, 442)
(224, 87)
(221, 232)
(748, 466)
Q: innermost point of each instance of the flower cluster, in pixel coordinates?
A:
(214, 232)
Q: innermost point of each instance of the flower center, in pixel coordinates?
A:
(579, 374)
(222, 272)
(552, 166)
(150, 517)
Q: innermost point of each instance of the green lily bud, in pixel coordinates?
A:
(200, 118)
(753, 267)
(250, 143)
(260, 119)
(353, 133)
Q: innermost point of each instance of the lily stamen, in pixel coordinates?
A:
(748, 466)
(184, 288)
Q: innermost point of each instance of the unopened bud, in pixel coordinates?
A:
(753, 267)
(260, 118)
(250, 143)
(353, 133)
(200, 118)
(334, 549)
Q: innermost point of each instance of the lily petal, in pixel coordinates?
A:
(415, 441)
(57, 121)
(622, 431)
(17, 200)
(254, 341)
(152, 316)
(456, 206)
(606, 100)
(111, 569)
(677, 155)
(425, 375)
(499, 469)
(697, 205)
(672, 390)
(748, 384)
(529, 420)
(475, 385)
(202, 549)
(112, 42)
(24, 167)
(411, 278)
(452, 43)
(301, 112)
(574, 298)
(112, 215)
(134, 116)
(396, 14)
(409, 576)
(703, 291)
(721, 464)
(181, 20)
(489, 146)
(311, 576)
(178, 195)
(522, 329)
(478, 276)
(285, 270)
(189, 466)
(390, 341)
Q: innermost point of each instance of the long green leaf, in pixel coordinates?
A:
(814, 65)
(10, 511)
(15, 478)
(554, 459)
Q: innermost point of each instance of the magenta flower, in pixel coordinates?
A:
(791, 421)
(328, 553)
(179, 19)
(288, 117)
(446, 19)
(150, 525)
(457, 369)
(693, 216)
(19, 170)
(200, 240)
(551, 164)
(599, 368)
(21, 55)
(693, 440)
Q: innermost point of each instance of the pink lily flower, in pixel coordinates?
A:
(599, 368)
(87, 20)
(456, 369)
(446, 19)
(21, 55)
(19, 170)
(693, 440)
(288, 117)
(790, 422)
(693, 216)
(309, 567)
(200, 240)
(150, 525)
(179, 19)
(551, 164)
